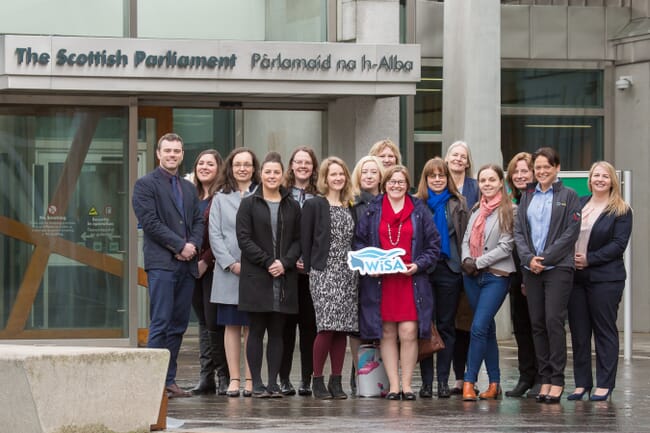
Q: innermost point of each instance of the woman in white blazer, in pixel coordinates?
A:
(487, 264)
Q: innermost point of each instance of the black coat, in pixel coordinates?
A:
(607, 243)
(254, 235)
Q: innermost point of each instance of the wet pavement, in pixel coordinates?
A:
(628, 411)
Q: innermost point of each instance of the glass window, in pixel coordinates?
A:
(254, 20)
(282, 131)
(203, 129)
(552, 87)
(69, 18)
(578, 139)
(64, 221)
(428, 101)
(424, 151)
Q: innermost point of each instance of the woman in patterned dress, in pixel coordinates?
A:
(326, 238)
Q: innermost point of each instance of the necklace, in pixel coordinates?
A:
(390, 235)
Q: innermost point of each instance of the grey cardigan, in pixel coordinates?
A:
(497, 250)
(225, 248)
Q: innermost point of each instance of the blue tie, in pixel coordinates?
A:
(178, 196)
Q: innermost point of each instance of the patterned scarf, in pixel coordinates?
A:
(477, 237)
(438, 205)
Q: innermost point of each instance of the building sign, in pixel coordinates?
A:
(81, 63)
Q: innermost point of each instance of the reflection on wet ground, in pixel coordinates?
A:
(629, 410)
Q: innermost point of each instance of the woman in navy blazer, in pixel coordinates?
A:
(598, 282)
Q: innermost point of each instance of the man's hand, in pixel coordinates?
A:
(188, 252)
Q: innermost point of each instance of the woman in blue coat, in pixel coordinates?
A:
(599, 280)
(398, 305)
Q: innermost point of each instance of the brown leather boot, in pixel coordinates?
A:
(493, 392)
(468, 392)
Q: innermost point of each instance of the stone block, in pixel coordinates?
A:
(53, 389)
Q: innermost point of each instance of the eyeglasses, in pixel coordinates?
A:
(396, 182)
(437, 176)
(244, 165)
(307, 163)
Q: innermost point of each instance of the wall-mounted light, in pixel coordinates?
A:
(624, 82)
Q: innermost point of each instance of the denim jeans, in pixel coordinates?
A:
(170, 302)
(485, 292)
(446, 286)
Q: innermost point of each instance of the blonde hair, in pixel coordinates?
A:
(506, 214)
(615, 205)
(346, 193)
(431, 167)
(512, 166)
(376, 149)
(356, 173)
(468, 169)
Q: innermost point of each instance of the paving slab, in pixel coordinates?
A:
(629, 410)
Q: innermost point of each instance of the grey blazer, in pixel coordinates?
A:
(225, 248)
(497, 251)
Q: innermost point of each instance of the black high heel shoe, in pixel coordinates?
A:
(541, 397)
(605, 397)
(235, 392)
(553, 399)
(576, 396)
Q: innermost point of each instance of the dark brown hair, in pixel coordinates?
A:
(289, 180)
(212, 188)
(227, 182)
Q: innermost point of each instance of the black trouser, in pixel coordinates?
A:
(306, 322)
(593, 307)
(446, 286)
(273, 323)
(523, 332)
(206, 313)
(548, 299)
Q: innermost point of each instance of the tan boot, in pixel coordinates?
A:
(468, 392)
(493, 392)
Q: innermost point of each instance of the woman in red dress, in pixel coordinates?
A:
(399, 305)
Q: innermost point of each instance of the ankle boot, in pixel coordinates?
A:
(305, 386)
(218, 355)
(336, 389)
(493, 392)
(320, 392)
(468, 392)
(206, 383)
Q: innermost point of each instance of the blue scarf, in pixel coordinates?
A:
(438, 205)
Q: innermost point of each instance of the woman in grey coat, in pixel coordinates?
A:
(238, 179)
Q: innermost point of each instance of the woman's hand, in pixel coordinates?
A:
(276, 269)
(411, 268)
(581, 261)
(535, 265)
(235, 268)
(469, 267)
(203, 266)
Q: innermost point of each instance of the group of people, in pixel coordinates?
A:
(259, 250)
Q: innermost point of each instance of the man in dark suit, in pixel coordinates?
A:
(167, 208)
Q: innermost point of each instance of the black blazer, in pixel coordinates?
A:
(315, 233)
(607, 242)
(162, 222)
(255, 238)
